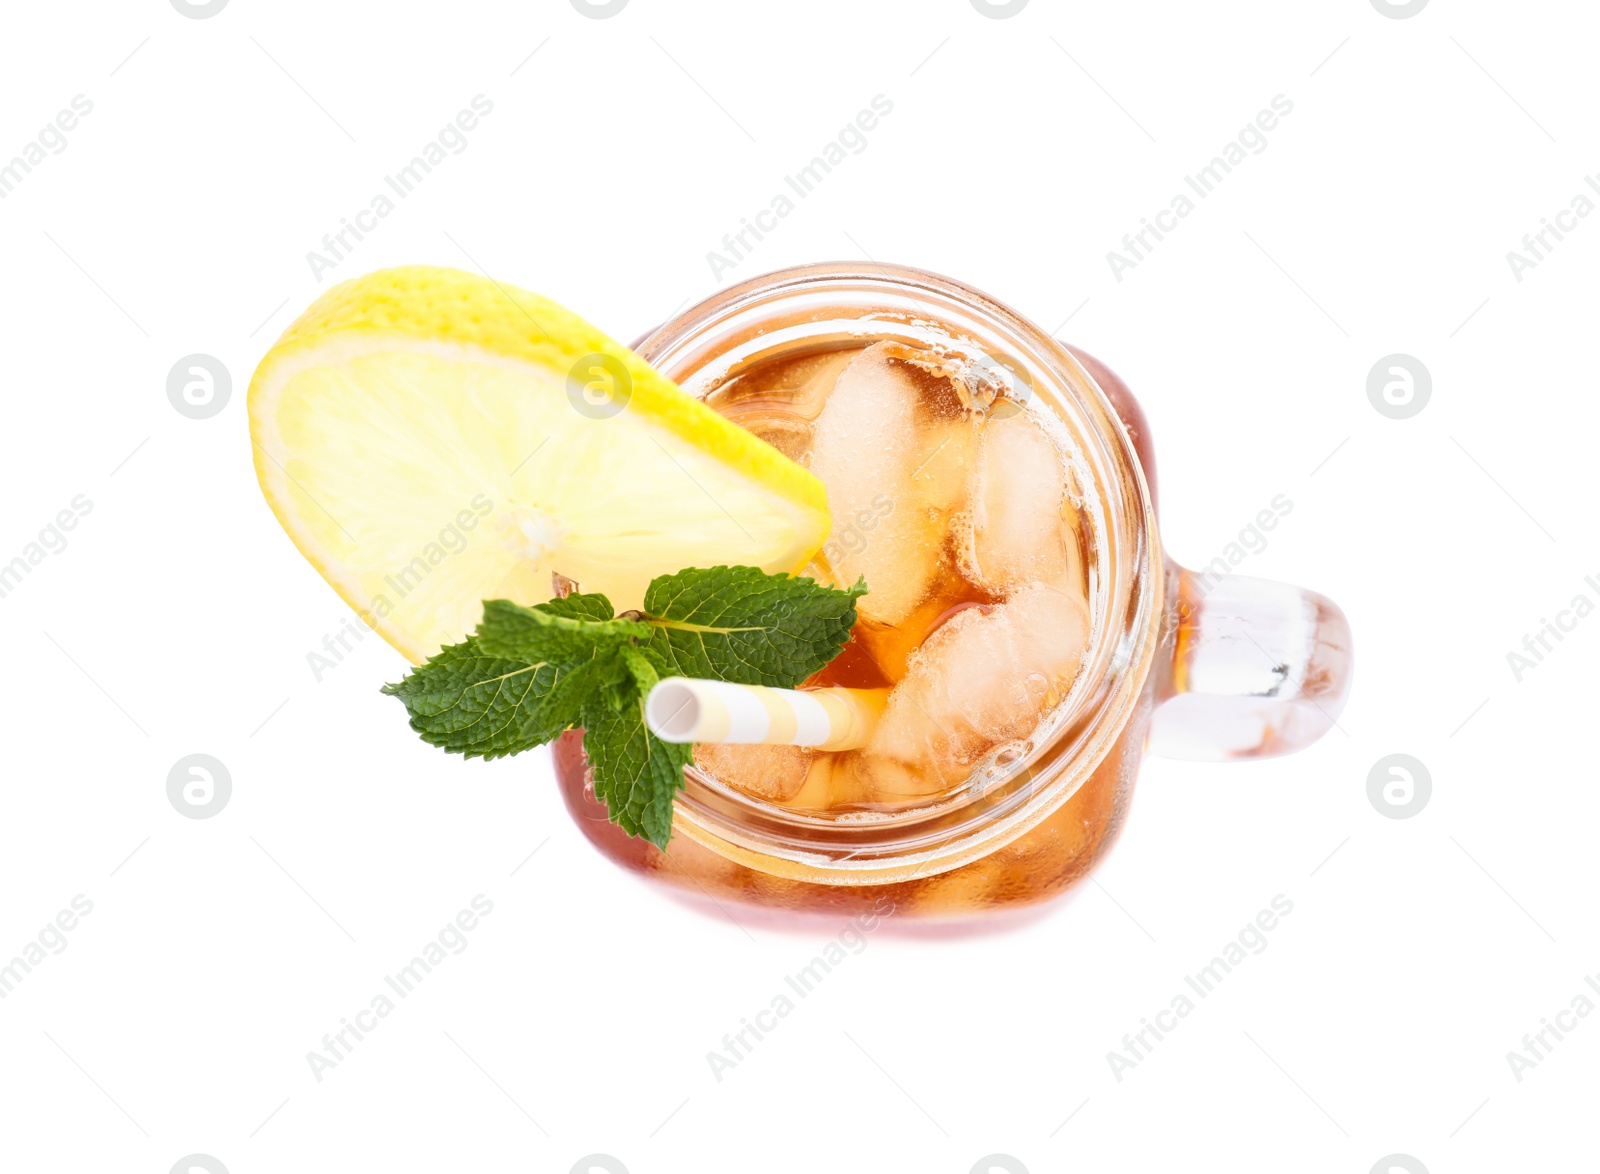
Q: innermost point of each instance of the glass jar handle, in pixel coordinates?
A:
(1256, 669)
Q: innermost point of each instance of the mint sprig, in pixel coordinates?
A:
(530, 673)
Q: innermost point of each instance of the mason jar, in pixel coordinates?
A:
(1189, 664)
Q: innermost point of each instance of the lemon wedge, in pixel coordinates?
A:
(431, 438)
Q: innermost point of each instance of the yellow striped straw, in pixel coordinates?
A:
(683, 709)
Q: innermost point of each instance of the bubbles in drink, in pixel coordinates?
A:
(960, 519)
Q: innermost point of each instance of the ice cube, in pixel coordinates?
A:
(986, 676)
(779, 401)
(1015, 532)
(866, 449)
(798, 386)
(816, 791)
(836, 783)
(788, 433)
(945, 463)
(884, 780)
(891, 648)
(773, 773)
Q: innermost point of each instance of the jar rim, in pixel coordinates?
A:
(771, 314)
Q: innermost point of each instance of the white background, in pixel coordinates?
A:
(178, 619)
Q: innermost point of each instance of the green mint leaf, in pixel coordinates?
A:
(522, 679)
(605, 674)
(482, 706)
(544, 633)
(640, 670)
(579, 607)
(742, 625)
(636, 774)
(530, 673)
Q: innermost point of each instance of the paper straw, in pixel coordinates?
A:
(683, 709)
